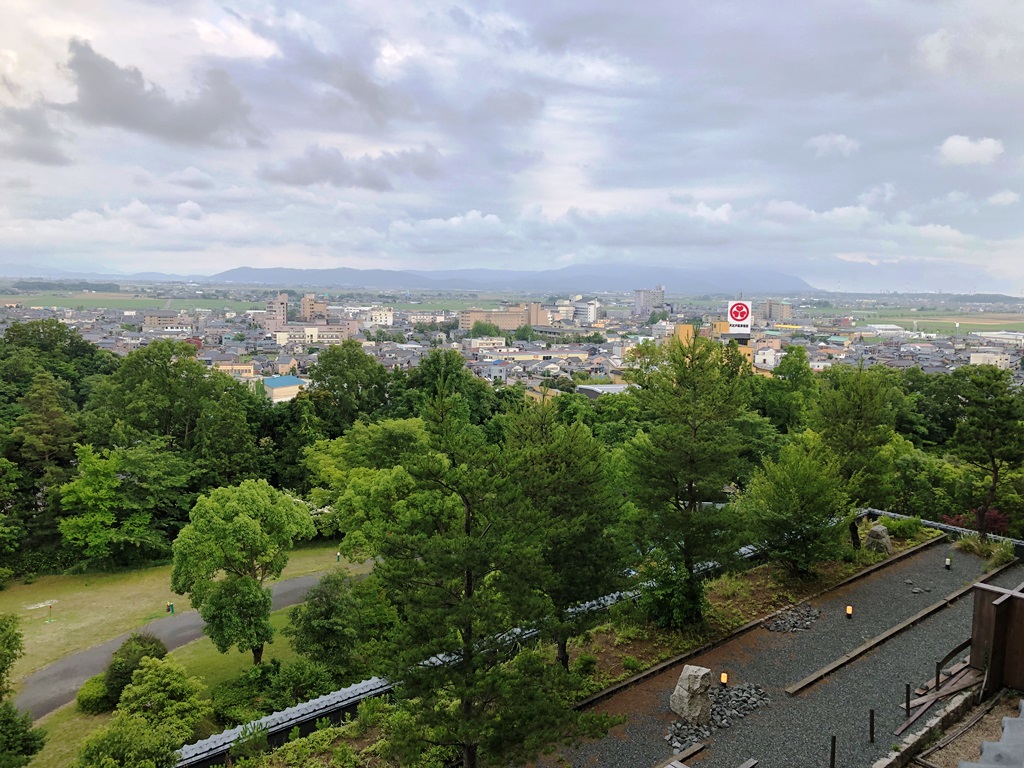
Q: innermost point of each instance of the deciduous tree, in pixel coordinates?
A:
(796, 505)
(235, 540)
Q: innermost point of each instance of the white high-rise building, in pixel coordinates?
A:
(646, 300)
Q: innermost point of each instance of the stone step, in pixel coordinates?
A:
(1000, 753)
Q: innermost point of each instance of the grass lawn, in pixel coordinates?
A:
(66, 730)
(92, 608)
(203, 660)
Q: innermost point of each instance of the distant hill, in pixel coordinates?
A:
(615, 278)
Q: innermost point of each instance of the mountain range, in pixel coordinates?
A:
(597, 278)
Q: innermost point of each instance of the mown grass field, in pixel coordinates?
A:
(89, 300)
(93, 608)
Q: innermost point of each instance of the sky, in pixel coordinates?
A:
(858, 144)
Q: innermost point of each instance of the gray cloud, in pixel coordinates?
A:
(327, 165)
(26, 134)
(192, 178)
(107, 94)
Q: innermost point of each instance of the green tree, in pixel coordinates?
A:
(344, 623)
(163, 694)
(225, 444)
(855, 415)
(296, 428)
(11, 649)
(99, 524)
(120, 503)
(990, 428)
(790, 391)
(678, 468)
(796, 506)
(414, 390)
(524, 333)
(346, 385)
(483, 328)
(564, 472)
(457, 554)
(158, 391)
(237, 538)
(18, 739)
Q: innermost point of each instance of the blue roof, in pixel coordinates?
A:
(284, 381)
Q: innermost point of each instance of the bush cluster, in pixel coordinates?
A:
(101, 693)
(267, 688)
(907, 528)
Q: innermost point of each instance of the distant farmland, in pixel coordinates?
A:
(89, 300)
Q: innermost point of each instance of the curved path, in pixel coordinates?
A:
(56, 685)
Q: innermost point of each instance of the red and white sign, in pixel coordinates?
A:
(739, 316)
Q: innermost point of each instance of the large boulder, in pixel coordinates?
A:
(878, 540)
(691, 699)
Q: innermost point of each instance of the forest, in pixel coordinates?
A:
(486, 513)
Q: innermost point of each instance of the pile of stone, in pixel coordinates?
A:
(706, 708)
(727, 706)
(796, 619)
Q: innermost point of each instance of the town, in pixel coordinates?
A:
(561, 344)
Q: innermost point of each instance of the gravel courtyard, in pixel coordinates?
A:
(794, 732)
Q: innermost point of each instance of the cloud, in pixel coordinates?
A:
(327, 165)
(880, 193)
(961, 150)
(117, 96)
(26, 134)
(192, 178)
(934, 50)
(1006, 197)
(827, 144)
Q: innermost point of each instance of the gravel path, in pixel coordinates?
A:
(55, 685)
(793, 732)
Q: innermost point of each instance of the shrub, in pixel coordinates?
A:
(996, 522)
(1002, 553)
(18, 739)
(631, 664)
(6, 574)
(129, 742)
(127, 658)
(162, 693)
(585, 664)
(251, 741)
(92, 697)
(299, 681)
(907, 528)
(267, 688)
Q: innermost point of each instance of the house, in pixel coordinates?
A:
(282, 388)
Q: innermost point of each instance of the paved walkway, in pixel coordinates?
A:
(56, 685)
(793, 732)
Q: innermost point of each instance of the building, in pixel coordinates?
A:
(647, 300)
(586, 312)
(1000, 360)
(776, 311)
(381, 316)
(317, 335)
(277, 313)
(282, 388)
(310, 309)
(507, 319)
